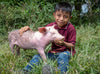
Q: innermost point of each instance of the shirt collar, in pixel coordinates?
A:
(64, 27)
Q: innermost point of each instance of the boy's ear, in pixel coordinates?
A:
(53, 13)
(42, 29)
(70, 17)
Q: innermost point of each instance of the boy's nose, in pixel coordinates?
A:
(61, 18)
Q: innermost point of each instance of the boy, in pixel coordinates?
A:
(61, 50)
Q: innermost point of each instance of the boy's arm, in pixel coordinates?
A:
(68, 45)
(23, 29)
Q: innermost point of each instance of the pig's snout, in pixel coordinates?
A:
(63, 38)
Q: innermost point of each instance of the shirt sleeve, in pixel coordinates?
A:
(72, 36)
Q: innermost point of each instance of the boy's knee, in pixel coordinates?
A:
(36, 56)
(64, 55)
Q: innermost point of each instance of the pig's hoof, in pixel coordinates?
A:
(47, 69)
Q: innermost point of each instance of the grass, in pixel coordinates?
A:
(86, 60)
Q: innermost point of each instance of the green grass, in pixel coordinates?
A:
(87, 58)
(85, 61)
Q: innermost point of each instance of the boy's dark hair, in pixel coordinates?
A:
(63, 6)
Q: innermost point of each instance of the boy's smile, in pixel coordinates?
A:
(61, 18)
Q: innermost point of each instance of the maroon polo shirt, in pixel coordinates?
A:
(69, 32)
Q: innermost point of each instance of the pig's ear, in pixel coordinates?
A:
(42, 30)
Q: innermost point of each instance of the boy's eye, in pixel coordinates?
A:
(66, 16)
(58, 15)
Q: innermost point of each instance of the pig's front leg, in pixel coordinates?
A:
(42, 54)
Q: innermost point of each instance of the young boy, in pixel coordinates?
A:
(61, 50)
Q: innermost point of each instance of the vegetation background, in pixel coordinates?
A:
(15, 14)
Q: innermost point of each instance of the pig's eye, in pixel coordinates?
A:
(49, 28)
(53, 33)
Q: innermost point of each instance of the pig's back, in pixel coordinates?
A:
(26, 40)
(28, 34)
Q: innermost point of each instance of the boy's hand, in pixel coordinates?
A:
(59, 42)
(23, 29)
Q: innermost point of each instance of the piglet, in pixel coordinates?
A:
(34, 40)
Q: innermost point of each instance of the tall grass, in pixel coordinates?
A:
(87, 58)
(33, 14)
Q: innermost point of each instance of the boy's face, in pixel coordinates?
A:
(61, 18)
